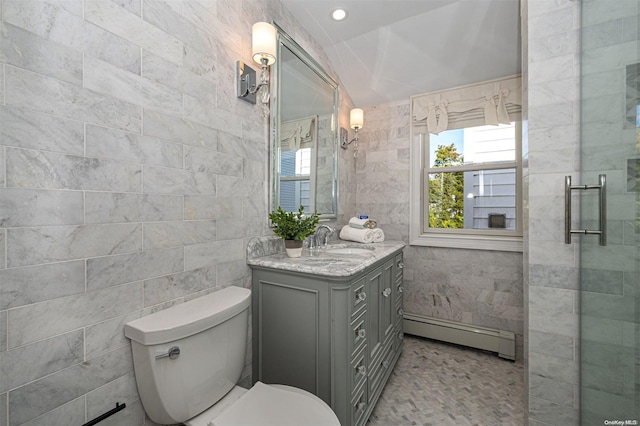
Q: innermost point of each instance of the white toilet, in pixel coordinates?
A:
(189, 357)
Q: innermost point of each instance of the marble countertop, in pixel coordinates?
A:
(323, 261)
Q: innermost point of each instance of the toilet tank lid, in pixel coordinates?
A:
(189, 318)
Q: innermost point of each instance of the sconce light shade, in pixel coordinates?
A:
(356, 118)
(264, 42)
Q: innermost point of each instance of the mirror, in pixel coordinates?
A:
(304, 157)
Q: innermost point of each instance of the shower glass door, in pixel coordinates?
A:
(610, 278)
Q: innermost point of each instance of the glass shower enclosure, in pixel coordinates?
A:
(610, 165)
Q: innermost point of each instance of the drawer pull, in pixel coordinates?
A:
(400, 312)
(361, 333)
(362, 370)
(386, 292)
(361, 406)
(386, 364)
(361, 296)
(400, 289)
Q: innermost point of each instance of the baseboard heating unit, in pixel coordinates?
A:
(489, 339)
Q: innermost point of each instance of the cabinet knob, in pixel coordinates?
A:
(400, 311)
(385, 364)
(362, 370)
(361, 332)
(361, 296)
(400, 265)
(400, 335)
(386, 292)
(361, 406)
(400, 289)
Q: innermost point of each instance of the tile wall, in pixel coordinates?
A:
(475, 287)
(551, 40)
(130, 180)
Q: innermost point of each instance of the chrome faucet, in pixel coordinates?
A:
(329, 231)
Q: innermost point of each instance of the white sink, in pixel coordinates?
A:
(349, 250)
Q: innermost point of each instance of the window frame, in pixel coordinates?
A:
(482, 239)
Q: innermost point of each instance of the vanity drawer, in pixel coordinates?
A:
(359, 371)
(399, 308)
(358, 296)
(399, 288)
(399, 265)
(358, 333)
(398, 335)
(359, 406)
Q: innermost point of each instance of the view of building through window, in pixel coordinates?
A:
(472, 178)
(295, 172)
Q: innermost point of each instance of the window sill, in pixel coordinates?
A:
(473, 242)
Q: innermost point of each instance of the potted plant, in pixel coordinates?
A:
(293, 228)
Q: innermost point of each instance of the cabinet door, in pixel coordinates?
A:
(380, 308)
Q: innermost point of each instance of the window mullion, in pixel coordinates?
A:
(474, 167)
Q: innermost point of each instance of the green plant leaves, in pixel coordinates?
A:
(294, 225)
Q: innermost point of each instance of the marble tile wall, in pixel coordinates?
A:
(130, 180)
(551, 39)
(475, 287)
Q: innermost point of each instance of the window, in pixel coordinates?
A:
(297, 163)
(295, 179)
(465, 173)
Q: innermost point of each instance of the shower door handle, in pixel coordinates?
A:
(602, 209)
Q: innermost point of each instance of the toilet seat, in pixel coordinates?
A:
(269, 405)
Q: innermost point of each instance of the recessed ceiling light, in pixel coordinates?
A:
(339, 14)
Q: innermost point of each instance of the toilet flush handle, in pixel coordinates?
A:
(173, 353)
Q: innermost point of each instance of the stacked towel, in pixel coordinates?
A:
(354, 234)
(355, 222)
(378, 235)
(363, 230)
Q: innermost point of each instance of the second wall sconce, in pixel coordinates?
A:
(264, 53)
(356, 122)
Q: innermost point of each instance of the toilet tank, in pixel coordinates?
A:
(211, 334)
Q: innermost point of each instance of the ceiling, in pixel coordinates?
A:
(389, 50)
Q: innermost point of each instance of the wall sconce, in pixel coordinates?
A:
(264, 53)
(356, 121)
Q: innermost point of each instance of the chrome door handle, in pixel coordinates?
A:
(602, 207)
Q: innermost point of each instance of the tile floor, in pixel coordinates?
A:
(439, 384)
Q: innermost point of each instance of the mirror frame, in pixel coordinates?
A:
(286, 41)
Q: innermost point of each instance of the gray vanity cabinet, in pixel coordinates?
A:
(337, 337)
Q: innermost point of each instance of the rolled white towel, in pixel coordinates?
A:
(358, 235)
(354, 222)
(378, 235)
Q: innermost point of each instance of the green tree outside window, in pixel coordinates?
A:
(446, 190)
